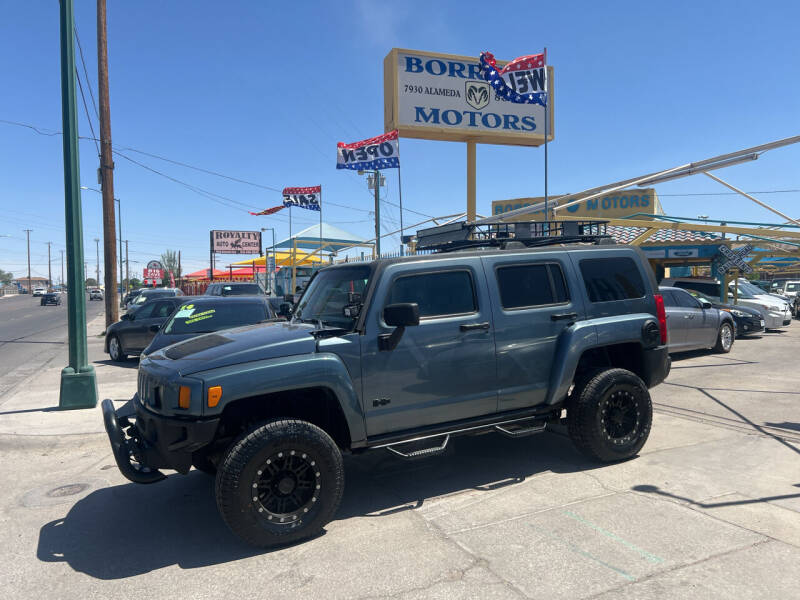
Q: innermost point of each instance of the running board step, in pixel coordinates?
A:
(537, 427)
(422, 453)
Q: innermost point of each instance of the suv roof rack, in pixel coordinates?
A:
(529, 234)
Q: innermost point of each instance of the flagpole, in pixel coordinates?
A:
(320, 223)
(400, 192)
(294, 255)
(546, 123)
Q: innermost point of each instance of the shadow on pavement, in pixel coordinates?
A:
(130, 529)
(128, 363)
(654, 489)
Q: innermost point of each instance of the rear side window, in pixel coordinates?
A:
(523, 286)
(669, 298)
(437, 294)
(609, 279)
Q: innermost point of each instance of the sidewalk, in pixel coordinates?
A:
(32, 408)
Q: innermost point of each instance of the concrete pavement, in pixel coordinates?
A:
(710, 509)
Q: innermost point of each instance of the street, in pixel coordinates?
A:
(709, 509)
(32, 336)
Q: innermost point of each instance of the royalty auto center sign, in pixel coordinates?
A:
(443, 97)
(235, 242)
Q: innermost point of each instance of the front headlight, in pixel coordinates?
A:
(737, 313)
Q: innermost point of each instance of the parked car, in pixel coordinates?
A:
(50, 298)
(39, 291)
(747, 320)
(384, 353)
(203, 315)
(789, 289)
(694, 324)
(150, 293)
(775, 312)
(133, 332)
(95, 294)
(234, 289)
(131, 296)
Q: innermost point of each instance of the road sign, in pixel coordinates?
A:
(734, 259)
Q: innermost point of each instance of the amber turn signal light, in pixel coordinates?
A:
(184, 396)
(214, 395)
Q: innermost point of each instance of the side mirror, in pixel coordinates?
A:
(399, 316)
(404, 314)
(704, 304)
(285, 310)
(127, 317)
(154, 328)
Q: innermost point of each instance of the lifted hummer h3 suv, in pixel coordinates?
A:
(400, 354)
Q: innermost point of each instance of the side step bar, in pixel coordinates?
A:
(537, 427)
(422, 453)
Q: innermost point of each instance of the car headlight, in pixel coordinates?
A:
(736, 313)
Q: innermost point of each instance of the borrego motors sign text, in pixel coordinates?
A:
(444, 97)
(236, 242)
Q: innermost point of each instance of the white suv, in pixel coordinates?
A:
(39, 291)
(775, 312)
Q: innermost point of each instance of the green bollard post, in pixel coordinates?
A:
(78, 381)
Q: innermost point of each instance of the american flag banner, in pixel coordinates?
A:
(379, 152)
(303, 197)
(269, 211)
(523, 80)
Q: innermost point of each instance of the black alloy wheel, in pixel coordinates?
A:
(280, 483)
(609, 414)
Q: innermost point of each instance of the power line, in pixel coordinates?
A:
(85, 72)
(86, 108)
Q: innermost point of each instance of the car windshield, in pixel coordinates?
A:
(792, 287)
(207, 317)
(749, 289)
(330, 292)
(245, 289)
(142, 298)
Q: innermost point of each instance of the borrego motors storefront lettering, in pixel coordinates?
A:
(446, 95)
(620, 204)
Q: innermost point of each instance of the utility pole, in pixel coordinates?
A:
(106, 171)
(127, 270)
(97, 267)
(78, 381)
(49, 272)
(28, 235)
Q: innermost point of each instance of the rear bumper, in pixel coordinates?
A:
(144, 442)
(656, 365)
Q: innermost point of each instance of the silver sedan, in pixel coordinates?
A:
(693, 324)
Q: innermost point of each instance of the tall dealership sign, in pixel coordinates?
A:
(233, 242)
(611, 206)
(452, 98)
(446, 97)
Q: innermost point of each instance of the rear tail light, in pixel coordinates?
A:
(661, 315)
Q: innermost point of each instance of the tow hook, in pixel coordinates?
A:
(127, 446)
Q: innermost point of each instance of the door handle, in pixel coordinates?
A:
(564, 316)
(473, 326)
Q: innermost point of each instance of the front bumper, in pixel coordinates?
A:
(144, 442)
(776, 320)
(749, 325)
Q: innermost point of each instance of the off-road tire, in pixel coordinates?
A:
(119, 356)
(593, 404)
(250, 480)
(724, 344)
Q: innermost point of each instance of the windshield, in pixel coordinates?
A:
(142, 298)
(244, 289)
(329, 292)
(792, 287)
(697, 294)
(749, 289)
(207, 317)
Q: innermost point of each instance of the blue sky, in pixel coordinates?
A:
(262, 91)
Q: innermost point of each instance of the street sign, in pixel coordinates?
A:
(734, 259)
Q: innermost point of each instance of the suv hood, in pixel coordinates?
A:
(235, 346)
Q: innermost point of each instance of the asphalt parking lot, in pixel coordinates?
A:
(710, 508)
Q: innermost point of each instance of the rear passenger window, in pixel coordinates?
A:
(437, 294)
(669, 299)
(610, 279)
(523, 286)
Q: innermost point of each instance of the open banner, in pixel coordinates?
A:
(379, 152)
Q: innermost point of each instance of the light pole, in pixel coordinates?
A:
(269, 273)
(119, 218)
(78, 381)
(97, 267)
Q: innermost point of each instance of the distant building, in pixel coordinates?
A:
(34, 282)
